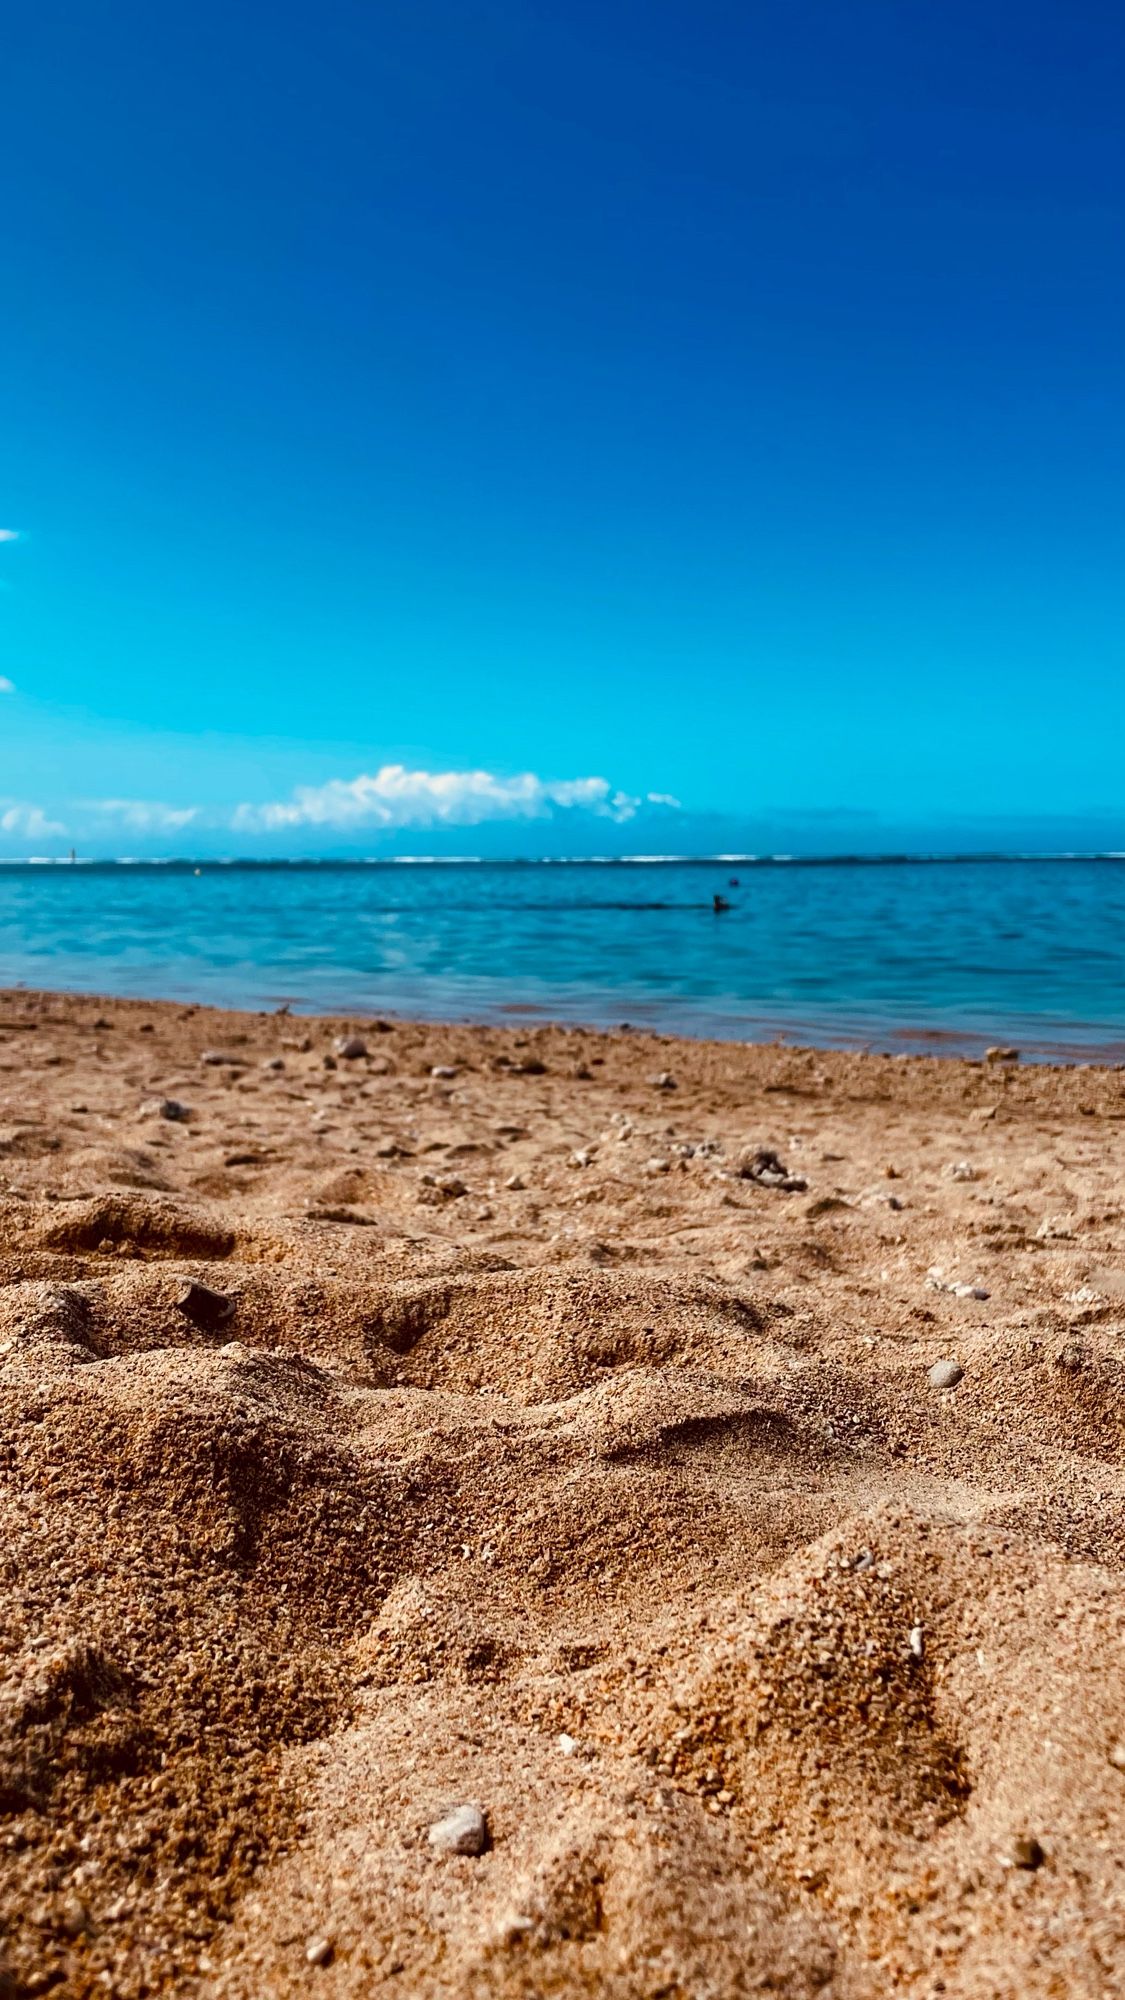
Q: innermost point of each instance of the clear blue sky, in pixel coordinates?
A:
(724, 401)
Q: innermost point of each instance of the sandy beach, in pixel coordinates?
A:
(557, 1429)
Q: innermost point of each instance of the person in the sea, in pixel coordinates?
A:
(719, 904)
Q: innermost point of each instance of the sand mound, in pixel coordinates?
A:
(772, 1666)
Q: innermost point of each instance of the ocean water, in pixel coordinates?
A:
(895, 954)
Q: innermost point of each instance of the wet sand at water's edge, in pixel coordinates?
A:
(566, 1447)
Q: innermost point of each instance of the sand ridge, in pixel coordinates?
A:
(558, 1460)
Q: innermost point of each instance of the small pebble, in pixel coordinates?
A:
(1117, 1756)
(1073, 1357)
(462, 1831)
(74, 1916)
(567, 1744)
(657, 1167)
(665, 1081)
(917, 1641)
(945, 1374)
(216, 1058)
(961, 1170)
(204, 1307)
(444, 1072)
(1001, 1055)
(515, 1182)
(1025, 1852)
(351, 1047)
(318, 1950)
(165, 1107)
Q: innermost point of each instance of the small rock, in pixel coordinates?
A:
(939, 1283)
(318, 1951)
(1054, 1228)
(329, 1062)
(274, 1062)
(451, 1186)
(531, 1066)
(657, 1166)
(1117, 1756)
(1001, 1055)
(764, 1166)
(515, 1182)
(1025, 1852)
(665, 1081)
(217, 1058)
(567, 1744)
(462, 1831)
(165, 1107)
(917, 1641)
(581, 1157)
(961, 1170)
(1073, 1357)
(445, 1072)
(74, 1916)
(944, 1374)
(202, 1306)
(351, 1047)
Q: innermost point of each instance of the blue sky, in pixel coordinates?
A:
(419, 418)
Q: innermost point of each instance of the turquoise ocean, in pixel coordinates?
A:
(896, 953)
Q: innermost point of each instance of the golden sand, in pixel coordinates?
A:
(558, 1455)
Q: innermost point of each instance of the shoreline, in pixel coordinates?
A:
(859, 1036)
(705, 1458)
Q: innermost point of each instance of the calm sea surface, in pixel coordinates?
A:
(898, 954)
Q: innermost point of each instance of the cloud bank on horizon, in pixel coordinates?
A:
(394, 796)
(391, 799)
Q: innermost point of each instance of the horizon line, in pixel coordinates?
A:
(886, 859)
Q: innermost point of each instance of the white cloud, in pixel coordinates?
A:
(6, 686)
(9, 534)
(144, 815)
(30, 821)
(394, 796)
